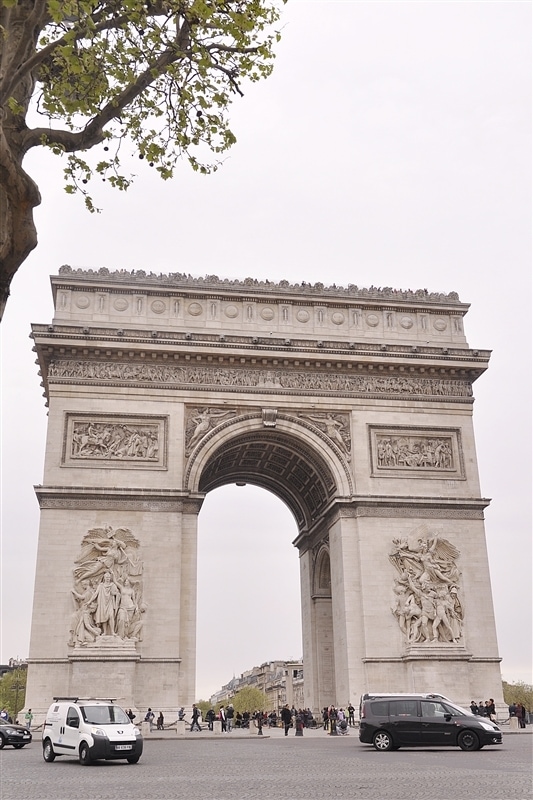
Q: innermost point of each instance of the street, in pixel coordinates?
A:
(274, 767)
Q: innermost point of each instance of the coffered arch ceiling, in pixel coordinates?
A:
(279, 463)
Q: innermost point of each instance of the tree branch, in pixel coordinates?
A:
(93, 132)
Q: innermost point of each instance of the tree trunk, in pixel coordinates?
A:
(18, 236)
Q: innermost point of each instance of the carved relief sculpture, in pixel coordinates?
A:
(118, 440)
(417, 452)
(108, 589)
(335, 426)
(111, 441)
(427, 592)
(199, 422)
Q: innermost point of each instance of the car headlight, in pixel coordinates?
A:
(12, 731)
(98, 731)
(136, 731)
(487, 727)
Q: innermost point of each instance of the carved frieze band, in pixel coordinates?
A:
(409, 452)
(407, 511)
(113, 504)
(255, 379)
(109, 440)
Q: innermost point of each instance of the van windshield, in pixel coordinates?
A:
(104, 715)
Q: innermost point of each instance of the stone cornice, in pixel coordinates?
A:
(117, 499)
(139, 280)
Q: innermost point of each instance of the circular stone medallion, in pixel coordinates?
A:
(337, 318)
(372, 320)
(195, 309)
(267, 314)
(82, 301)
(302, 315)
(120, 304)
(231, 311)
(158, 306)
(440, 324)
(406, 322)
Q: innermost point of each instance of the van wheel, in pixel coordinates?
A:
(382, 741)
(468, 740)
(133, 759)
(48, 751)
(84, 756)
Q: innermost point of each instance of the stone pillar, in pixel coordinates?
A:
(217, 727)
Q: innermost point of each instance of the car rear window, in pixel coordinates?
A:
(380, 709)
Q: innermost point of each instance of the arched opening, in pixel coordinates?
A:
(249, 605)
(293, 469)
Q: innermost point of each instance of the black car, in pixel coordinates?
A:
(423, 721)
(17, 735)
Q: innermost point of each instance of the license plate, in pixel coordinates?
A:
(123, 746)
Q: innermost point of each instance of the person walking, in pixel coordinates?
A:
(150, 719)
(222, 718)
(28, 716)
(286, 718)
(196, 716)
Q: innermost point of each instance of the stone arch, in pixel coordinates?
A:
(290, 460)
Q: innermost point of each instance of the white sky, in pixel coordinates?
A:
(391, 146)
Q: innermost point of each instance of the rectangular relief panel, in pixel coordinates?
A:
(115, 440)
(407, 452)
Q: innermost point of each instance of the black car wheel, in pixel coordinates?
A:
(48, 751)
(19, 745)
(2, 742)
(382, 741)
(84, 755)
(133, 759)
(468, 740)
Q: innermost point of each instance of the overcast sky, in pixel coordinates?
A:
(391, 146)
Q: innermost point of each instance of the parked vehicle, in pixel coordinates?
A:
(12, 734)
(423, 721)
(90, 729)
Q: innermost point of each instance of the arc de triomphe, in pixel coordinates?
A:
(354, 406)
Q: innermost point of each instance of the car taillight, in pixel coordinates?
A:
(363, 715)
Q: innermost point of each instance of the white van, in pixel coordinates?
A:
(89, 729)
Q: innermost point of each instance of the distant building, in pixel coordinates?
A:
(280, 681)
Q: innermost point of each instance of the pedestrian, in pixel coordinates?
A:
(222, 718)
(210, 718)
(28, 716)
(520, 714)
(160, 721)
(149, 717)
(229, 718)
(196, 717)
(351, 719)
(286, 718)
(512, 710)
(491, 708)
(474, 708)
(130, 714)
